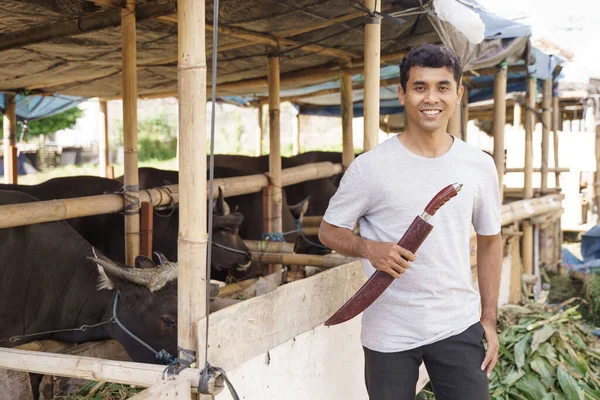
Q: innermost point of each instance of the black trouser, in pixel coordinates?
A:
(453, 365)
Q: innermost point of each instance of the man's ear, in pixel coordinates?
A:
(461, 92)
(401, 94)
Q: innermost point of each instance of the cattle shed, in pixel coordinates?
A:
(272, 346)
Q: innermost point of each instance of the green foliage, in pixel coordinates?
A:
(594, 297)
(157, 137)
(64, 120)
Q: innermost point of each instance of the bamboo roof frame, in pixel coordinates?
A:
(336, 29)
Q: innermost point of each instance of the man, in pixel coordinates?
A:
(431, 312)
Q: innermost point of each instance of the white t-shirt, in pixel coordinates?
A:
(385, 189)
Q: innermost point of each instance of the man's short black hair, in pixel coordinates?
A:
(430, 56)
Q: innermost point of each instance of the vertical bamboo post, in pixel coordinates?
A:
(296, 135)
(131, 179)
(499, 123)
(347, 114)
(273, 221)
(103, 140)
(455, 121)
(464, 114)
(596, 186)
(10, 133)
(146, 228)
(193, 236)
(372, 76)
(259, 131)
(528, 172)
(547, 121)
(516, 115)
(555, 129)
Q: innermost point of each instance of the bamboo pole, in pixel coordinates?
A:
(597, 174)
(259, 130)
(103, 154)
(464, 114)
(256, 246)
(58, 210)
(455, 121)
(546, 126)
(89, 368)
(10, 133)
(329, 260)
(530, 208)
(499, 122)
(517, 115)
(131, 178)
(147, 224)
(347, 114)
(555, 170)
(296, 135)
(372, 76)
(193, 236)
(273, 195)
(555, 130)
(312, 220)
(527, 240)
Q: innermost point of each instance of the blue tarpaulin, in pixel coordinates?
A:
(31, 108)
(590, 251)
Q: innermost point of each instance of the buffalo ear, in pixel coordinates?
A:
(160, 257)
(298, 210)
(144, 262)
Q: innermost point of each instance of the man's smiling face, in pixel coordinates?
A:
(430, 97)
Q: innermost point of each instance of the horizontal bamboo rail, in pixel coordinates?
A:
(529, 208)
(58, 210)
(256, 246)
(94, 369)
(329, 260)
(559, 170)
(312, 220)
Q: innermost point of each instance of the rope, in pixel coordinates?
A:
(207, 372)
(82, 328)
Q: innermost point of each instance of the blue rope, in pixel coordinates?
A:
(163, 356)
(280, 236)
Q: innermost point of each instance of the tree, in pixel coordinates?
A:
(45, 126)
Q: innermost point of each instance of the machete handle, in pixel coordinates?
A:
(442, 197)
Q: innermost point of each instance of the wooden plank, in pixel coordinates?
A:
(321, 295)
(147, 223)
(177, 388)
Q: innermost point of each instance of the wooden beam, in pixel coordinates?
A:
(259, 130)
(76, 26)
(270, 40)
(527, 227)
(499, 123)
(177, 388)
(193, 236)
(131, 176)
(10, 133)
(372, 59)
(147, 223)
(347, 114)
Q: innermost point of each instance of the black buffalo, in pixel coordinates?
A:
(49, 282)
(106, 231)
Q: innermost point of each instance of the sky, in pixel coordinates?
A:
(573, 25)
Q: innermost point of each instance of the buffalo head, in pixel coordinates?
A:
(147, 305)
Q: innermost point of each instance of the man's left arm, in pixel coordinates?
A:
(489, 269)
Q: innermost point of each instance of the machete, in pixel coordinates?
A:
(411, 241)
